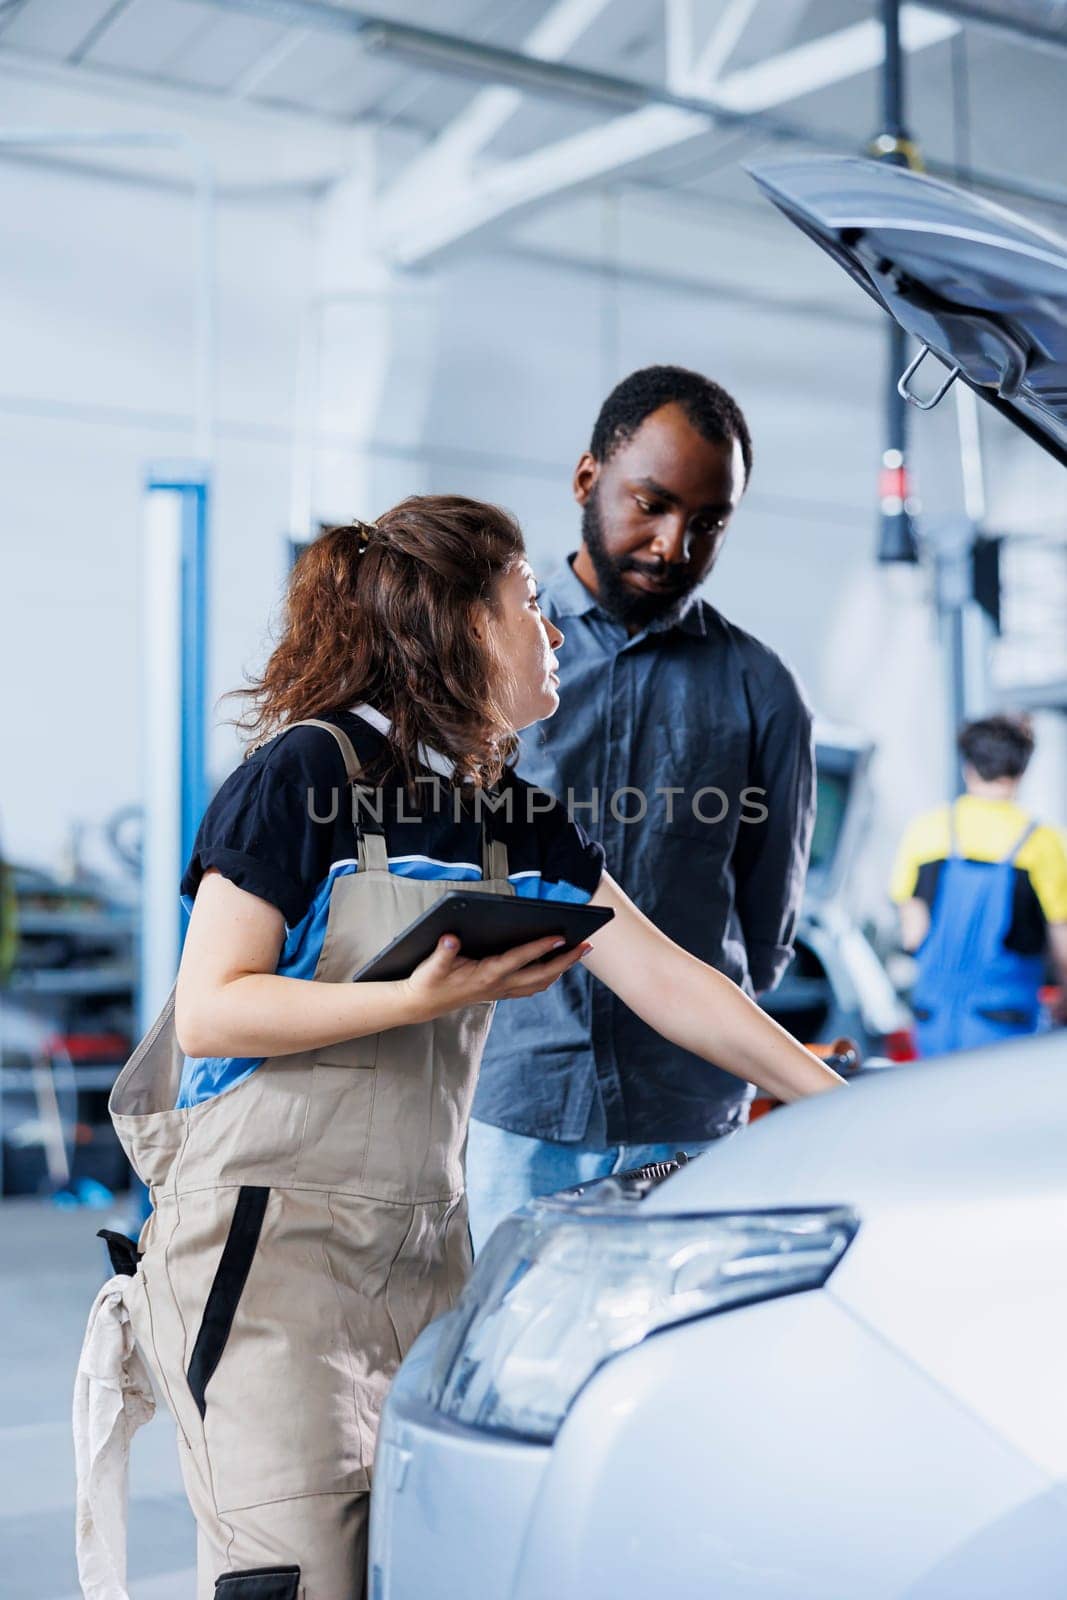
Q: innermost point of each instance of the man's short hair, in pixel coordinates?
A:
(998, 747)
(709, 408)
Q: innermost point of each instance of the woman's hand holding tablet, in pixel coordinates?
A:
(447, 979)
(471, 948)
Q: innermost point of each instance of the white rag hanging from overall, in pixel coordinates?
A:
(112, 1398)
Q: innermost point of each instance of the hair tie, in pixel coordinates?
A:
(365, 532)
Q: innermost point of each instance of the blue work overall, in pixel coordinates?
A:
(971, 989)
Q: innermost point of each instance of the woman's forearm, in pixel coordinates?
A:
(715, 1020)
(702, 1011)
(696, 1007)
(261, 1014)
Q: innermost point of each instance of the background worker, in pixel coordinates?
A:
(658, 691)
(982, 892)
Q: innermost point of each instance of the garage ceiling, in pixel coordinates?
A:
(982, 99)
(220, 49)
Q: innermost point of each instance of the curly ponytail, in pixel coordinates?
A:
(385, 613)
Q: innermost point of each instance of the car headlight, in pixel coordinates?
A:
(561, 1288)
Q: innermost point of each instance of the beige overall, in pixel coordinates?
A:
(306, 1225)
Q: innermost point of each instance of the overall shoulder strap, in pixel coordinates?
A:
(353, 768)
(494, 851)
(370, 834)
(953, 830)
(1030, 829)
(494, 857)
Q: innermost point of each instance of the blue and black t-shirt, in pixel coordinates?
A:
(281, 828)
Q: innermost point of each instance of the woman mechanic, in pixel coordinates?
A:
(304, 1141)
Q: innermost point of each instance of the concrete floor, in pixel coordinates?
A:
(51, 1266)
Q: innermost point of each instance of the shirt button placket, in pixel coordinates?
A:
(615, 759)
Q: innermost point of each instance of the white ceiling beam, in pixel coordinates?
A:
(256, 73)
(694, 69)
(453, 214)
(680, 38)
(448, 159)
(816, 65)
(708, 66)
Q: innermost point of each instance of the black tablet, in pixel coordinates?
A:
(485, 925)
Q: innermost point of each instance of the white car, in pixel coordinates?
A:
(824, 1361)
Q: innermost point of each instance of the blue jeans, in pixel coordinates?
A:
(505, 1170)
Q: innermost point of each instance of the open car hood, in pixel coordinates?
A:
(982, 289)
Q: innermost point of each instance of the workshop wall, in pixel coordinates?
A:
(97, 277)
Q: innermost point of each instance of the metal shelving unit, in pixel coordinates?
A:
(67, 1019)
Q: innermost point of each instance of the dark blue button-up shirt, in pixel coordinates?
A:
(702, 709)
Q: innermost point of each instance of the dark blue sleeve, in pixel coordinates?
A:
(264, 833)
(567, 853)
(774, 840)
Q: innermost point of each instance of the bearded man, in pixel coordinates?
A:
(685, 746)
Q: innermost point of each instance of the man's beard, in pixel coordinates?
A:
(626, 605)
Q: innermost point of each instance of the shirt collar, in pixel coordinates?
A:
(571, 598)
(430, 758)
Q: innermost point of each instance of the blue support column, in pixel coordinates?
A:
(194, 659)
(176, 711)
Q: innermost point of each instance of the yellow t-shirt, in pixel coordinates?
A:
(986, 830)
